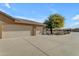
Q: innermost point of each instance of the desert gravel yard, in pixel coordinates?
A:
(41, 45)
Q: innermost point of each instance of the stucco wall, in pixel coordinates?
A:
(1, 22)
(12, 31)
(39, 30)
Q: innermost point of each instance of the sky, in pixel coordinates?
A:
(39, 12)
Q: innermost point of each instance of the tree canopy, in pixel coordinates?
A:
(54, 21)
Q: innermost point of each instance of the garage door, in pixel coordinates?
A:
(13, 31)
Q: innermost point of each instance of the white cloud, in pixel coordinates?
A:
(76, 17)
(74, 24)
(7, 5)
(53, 10)
(2, 10)
(33, 19)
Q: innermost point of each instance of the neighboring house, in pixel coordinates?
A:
(75, 30)
(57, 31)
(11, 27)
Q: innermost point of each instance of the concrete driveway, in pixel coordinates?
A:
(42, 45)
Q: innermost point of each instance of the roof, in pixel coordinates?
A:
(62, 29)
(19, 20)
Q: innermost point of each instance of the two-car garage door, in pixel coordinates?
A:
(13, 31)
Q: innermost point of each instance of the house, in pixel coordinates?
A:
(75, 30)
(11, 27)
(57, 31)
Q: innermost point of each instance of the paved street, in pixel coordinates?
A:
(43, 45)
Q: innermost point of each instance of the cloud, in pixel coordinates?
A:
(76, 17)
(24, 17)
(3, 10)
(53, 10)
(75, 24)
(7, 5)
(33, 19)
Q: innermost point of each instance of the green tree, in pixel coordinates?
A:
(54, 21)
(48, 25)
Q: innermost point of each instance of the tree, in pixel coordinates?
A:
(48, 25)
(57, 20)
(54, 21)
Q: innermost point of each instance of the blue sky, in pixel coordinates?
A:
(40, 11)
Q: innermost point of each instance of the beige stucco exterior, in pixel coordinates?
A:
(12, 31)
(39, 30)
(13, 27)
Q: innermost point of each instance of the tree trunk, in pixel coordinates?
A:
(51, 31)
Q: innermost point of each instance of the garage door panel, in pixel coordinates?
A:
(14, 34)
(12, 31)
